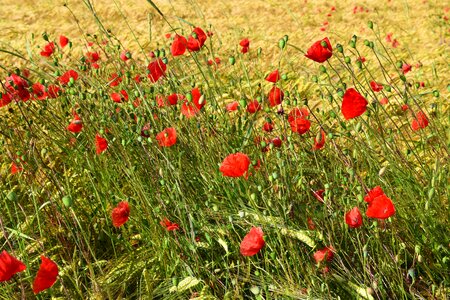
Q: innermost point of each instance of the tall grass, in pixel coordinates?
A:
(406, 256)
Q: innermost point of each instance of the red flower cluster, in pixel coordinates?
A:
(45, 277)
(298, 121)
(380, 206)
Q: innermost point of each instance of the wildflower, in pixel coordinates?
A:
(9, 265)
(253, 242)
(353, 218)
(235, 165)
(63, 41)
(275, 96)
(320, 51)
(179, 45)
(324, 254)
(157, 69)
(353, 104)
(48, 49)
(167, 137)
(120, 214)
(273, 77)
(46, 276)
(169, 225)
(101, 144)
(419, 122)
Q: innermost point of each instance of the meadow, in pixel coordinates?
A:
(224, 150)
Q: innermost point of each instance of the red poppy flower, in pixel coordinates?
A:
(275, 96)
(125, 55)
(92, 57)
(5, 100)
(253, 106)
(353, 104)
(420, 121)
(157, 69)
(15, 168)
(244, 50)
(197, 98)
(179, 45)
(361, 59)
(276, 141)
(9, 265)
(39, 91)
(376, 87)
(167, 137)
(318, 53)
(53, 91)
(232, 106)
(273, 77)
(17, 87)
(120, 97)
(196, 43)
(298, 113)
(174, 98)
(326, 253)
(252, 242)
(46, 276)
(406, 68)
(120, 214)
(65, 78)
(114, 80)
(235, 165)
(311, 225)
(380, 207)
(384, 101)
(63, 41)
(169, 225)
(373, 193)
(48, 49)
(189, 110)
(268, 127)
(76, 124)
(319, 195)
(100, 144)
(244, 42)
(300, 125)
(353, 218)
(319, 141)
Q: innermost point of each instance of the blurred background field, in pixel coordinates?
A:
(420, 27)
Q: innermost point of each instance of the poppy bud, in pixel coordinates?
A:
(242, 103)
(359, 64)
(339, 48)
(67, 201)
(403, 78)
(165, 60)
(352, 44)
(281, 43)
(371, 45)
(366, 43)
(231, 60)
(436, 93)
(286, 38)
(189, 97)
(284, 77)
(322, 69)
(370, 24)
(314, 78)
(347, 59)
(259, 51)
(45, 36)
